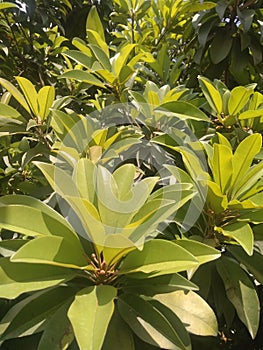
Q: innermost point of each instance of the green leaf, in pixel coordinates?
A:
(51, 250)
(246, 18)
(242, 233)
(153, 323)
(238, 99)
(106, 76)
(6, 5)
(204, 30)
(90, 314)
(9, 246)
(84, 76)
(80, 57)
(192, 7)
(95, 40)
(221, 166)
(119, 334)
(120, 212)
(223, 140)
(29, 315)
(250, 179)
(183, 110)
(64, 185)
(15, 93)
(94, 23)
(159, 284)
(192, 163)
(192, 310)
(221, 46)
(212, 95)
(82, 46)
(30, 93)
(241, 292)
(253, 263)
(162, 204)
(120, 59)
(31, 217)
(83, 177)
(202, 252)
(74, 130)
(254, 216)
(125, 74)
(7, 111)
(101, 56)
(45, 99)
(58, 333)
(19, 278)
(251, 113)
(244, 156)
(215, 200)
(158, 257)
(124, 177)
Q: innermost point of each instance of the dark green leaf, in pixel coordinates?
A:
(241, 292)
(151, 325)
(119, 334)
(221, 46)
(28, 316)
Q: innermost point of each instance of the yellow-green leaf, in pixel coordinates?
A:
(15, 93)
(212, 95)
(90, 314)
(242, 233)
(45, 99)
(30, 93)
(94, 23)
(243, 157)
(192, 310)
(51, 250)
(221, 164)
(158, 257)
(238, 99)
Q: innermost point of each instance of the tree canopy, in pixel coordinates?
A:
(131, 207)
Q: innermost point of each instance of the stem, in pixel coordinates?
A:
(132, 25)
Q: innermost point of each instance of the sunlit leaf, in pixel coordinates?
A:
(244, 155)
(192, 310)
(238, 99)
(158, 257)
(221, 164)
(94, 23)
(15, 93)
(212, 95)
(90, 314)
(183, 110)
(45, 99)
(242, 233)
(51, 250)
(19, 278)
(30, 93)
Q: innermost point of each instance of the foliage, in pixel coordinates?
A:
(131, 206)
(229, 33)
